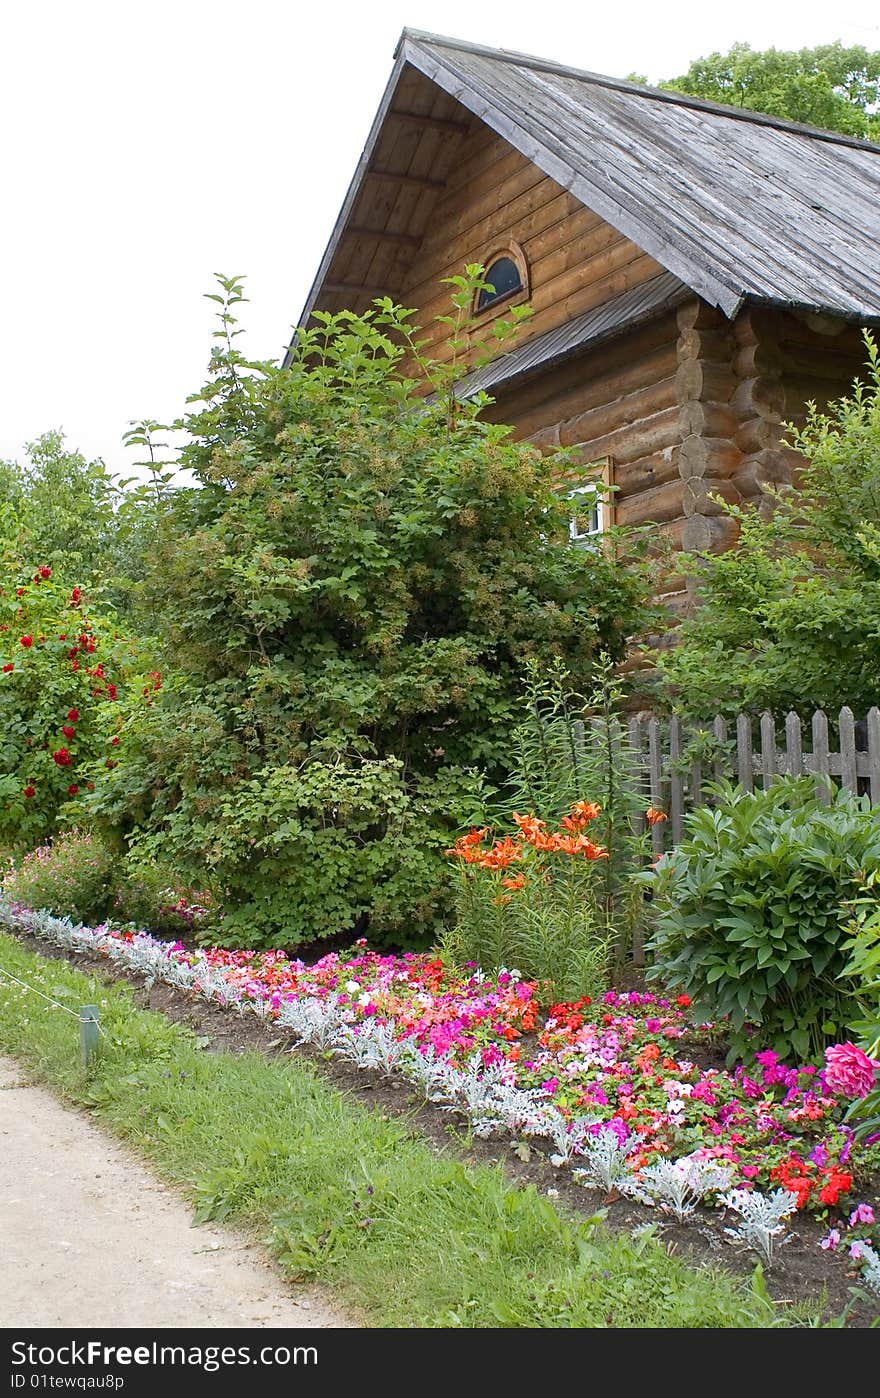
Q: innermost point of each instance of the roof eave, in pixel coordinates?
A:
(354, 190)
(504, 123)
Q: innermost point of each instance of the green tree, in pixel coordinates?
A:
(790, 619)
(829, 86)
(350, 596)
(75, 516)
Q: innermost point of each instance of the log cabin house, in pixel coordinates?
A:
(697, 273)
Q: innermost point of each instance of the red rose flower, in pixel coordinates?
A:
(72, 789)
(19, 592)
(75, 595)
(114, 742)
(45, 572)
(61, 757)
(26, 641)
(73, 715)
(7, 668)
(30, 791)
(68, 731)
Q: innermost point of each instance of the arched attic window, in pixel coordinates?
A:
(506, 274)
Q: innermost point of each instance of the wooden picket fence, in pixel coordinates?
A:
(674, 783)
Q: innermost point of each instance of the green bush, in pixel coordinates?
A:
(63, 674)
(788, 619)
(152, 897)
(349, 596)
(71, 877)
(864, 968)
(752, 911)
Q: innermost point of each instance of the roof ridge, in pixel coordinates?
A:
(681, 99)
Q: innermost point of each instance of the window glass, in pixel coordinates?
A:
(503, 276)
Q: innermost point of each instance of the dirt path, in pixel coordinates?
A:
(89, 1237)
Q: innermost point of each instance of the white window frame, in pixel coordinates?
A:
(601, 515)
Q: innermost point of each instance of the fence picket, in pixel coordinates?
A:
(849, 778)
(745, 771)
(676, 785)
(794, 757)
(768, 749)
(655, 778)
(636, 771)
(874, 754)
(821, 765)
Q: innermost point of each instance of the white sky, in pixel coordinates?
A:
(146, 146)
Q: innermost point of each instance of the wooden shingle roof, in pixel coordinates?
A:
(738, 206)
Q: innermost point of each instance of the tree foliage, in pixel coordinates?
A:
(790, 619)
(350, 595)
(830, 86)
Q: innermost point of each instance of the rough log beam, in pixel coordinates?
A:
(357, 289)
(405, 240)
(417, 181)
(432, 123)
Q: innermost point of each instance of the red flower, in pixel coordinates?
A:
(7, 668)
(68, 731)
(73, 715)
(45, 572)
(654, 816)
(72, 789)
(683, 1000)
(838, 1182)
(19, 592)
(75, 595)
(61, 757)
(114, 742)
(26, 641)
(30, 791)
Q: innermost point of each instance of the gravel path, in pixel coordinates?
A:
(89, 1237)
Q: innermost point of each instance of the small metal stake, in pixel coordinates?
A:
(88, 1032)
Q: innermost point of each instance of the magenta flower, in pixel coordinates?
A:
(849, 1070)
(863, 1213)
(832, 1241)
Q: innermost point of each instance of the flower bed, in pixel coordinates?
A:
(613, 1086)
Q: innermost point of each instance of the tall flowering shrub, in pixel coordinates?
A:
(63, 668)
(350, 596)
(532, 899)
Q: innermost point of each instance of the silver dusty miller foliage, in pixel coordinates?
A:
(678, 1185)
(761, 1217)
(604, 1161)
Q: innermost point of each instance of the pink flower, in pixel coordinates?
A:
(849, 1070)
(863, 1213)
(832, 1241)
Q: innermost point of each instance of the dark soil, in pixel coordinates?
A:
(801, 1271)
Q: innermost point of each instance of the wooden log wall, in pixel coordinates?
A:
(493, 196)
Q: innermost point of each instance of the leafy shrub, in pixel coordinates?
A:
(63, 671)
(152, 897)
(752, 911)
(70, 877)
(533, 901)
(350, 595)
(788, 619)
(864, 968)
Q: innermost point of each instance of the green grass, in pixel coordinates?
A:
(405, 1237)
